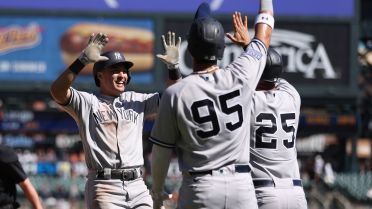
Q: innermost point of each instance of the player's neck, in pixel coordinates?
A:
(265, 86)
(204, 67)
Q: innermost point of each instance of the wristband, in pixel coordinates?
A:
(174, 74)
(76, 66)
(83, 58)
(266, 19)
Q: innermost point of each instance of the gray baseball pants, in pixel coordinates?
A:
(222, 189)
(282, 195)
(115, 194)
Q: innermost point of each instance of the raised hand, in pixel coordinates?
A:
(241, 36)
(171, 56)
(92, 53)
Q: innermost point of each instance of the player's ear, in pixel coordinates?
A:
(99, 75)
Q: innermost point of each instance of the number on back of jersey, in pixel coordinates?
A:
(272, 129)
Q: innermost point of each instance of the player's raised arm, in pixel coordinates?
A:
(171, 57)
(60, 88)
(241, 36)
(264, 23)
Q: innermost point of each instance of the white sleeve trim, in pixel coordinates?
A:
(260, 42)
(160, 143)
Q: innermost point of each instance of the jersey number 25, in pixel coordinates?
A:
(272, 144)
(212, 116)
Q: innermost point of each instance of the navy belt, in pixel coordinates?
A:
(270, 183)
(122, 174)
(238, 169)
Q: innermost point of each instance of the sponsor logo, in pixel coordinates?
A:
(304, 54)
(15, 37)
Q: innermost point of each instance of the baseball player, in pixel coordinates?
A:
(206, 117)
(274, 121)
(111, 122)
(12, 174)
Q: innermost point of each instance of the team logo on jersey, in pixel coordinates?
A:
(108, 115)
(129, 115)
(126, 113)
(253, 53)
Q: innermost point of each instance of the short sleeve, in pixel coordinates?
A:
(16, 172)
(152, 103)
(283, 85)
(78, 102)
(165, 131)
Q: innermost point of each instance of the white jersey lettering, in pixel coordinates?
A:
(103, 140)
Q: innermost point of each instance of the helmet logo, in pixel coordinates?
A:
(118, 56)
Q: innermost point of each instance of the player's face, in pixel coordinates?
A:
(113, 80)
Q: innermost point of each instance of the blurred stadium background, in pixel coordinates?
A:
(327, 49)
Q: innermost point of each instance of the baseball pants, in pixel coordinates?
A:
(283, 195)
(221, 189)
(115, 194)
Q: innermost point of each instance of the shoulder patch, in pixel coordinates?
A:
(254, 53)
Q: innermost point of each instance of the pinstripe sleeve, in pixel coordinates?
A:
(165, 130)
(283, 85)
(250, 64)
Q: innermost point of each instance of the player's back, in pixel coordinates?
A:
(274, 121)
(209, 113)
(212, 111)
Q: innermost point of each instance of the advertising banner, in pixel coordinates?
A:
(312, 53)
(283, 7)
(39, 49)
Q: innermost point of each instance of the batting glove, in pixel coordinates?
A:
(158, 199)
(92, 53)
(171, 56)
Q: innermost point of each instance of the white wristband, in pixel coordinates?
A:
(266, 19)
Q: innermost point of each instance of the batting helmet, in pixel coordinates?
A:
(274, 66)
(115, 58)
(206, 36)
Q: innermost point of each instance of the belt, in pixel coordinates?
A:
(122, 174)
(270, 183)
(238, 169)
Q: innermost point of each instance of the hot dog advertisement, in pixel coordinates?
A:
(137, 44)
(38, 49)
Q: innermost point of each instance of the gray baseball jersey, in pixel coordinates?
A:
(206, 116)
(111, 127)
(275, 115)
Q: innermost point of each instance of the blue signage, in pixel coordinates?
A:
(39, 48)
(282, 7)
